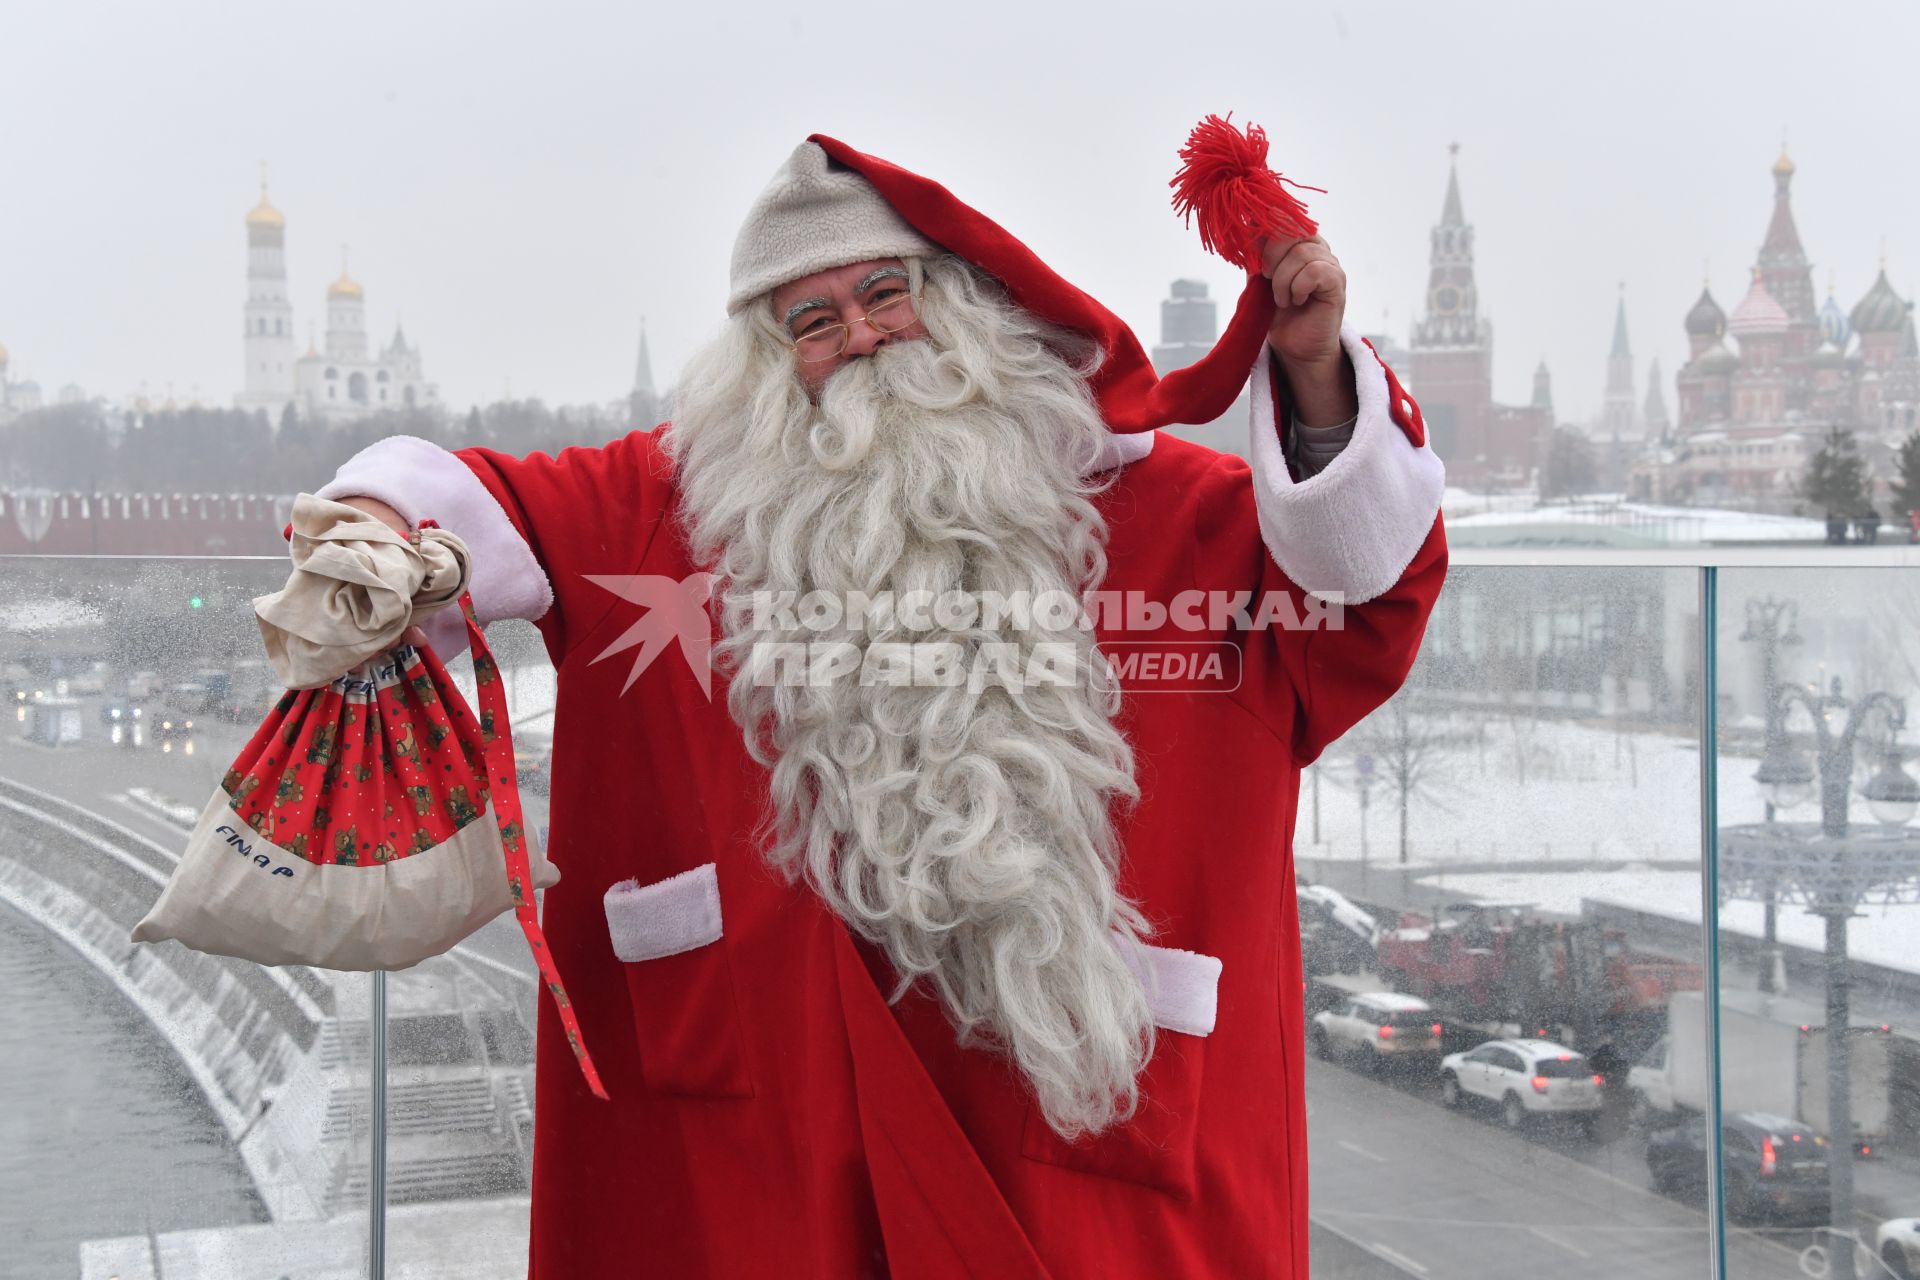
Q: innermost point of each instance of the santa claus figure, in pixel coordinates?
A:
(916, 927)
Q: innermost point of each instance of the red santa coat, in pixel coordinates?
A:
(771, 1114)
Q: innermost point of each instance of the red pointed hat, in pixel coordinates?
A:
(1224, 183)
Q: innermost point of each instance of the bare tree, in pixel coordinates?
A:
(1409, 748)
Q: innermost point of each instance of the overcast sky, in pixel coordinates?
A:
(520, 185)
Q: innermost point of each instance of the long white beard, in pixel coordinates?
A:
(966, 830)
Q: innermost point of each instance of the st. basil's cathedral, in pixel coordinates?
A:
(1753, 413)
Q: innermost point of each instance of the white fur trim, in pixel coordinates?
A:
(1183, 987)
(1117, 449)
(813, 216)
(420, 480)
(680, 913)
(1350, 531)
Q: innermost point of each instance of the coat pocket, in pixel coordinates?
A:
(1156, 1147)
(669, 938)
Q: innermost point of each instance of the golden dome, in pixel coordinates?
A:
(264, 214)
(345, 287)
(1783, 164)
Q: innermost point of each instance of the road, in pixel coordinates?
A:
(1452, 1195)
(1455, 1196)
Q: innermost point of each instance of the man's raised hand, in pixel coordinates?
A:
(1310, 292)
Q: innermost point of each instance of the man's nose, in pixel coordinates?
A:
(863, 339)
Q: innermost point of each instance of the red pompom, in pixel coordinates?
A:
(1224, 181)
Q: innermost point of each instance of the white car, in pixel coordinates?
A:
(1524, 1078)
(1898, 1244)
(1376, 1028)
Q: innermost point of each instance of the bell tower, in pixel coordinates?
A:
(1452, 347)
(267, 341)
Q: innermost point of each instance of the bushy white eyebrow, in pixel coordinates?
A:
(805, 305)
(873, 278)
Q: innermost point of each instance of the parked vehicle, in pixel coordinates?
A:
(1773, 1060)
(1335, 935)
(1513, 968)
(1377, 1028)
(1775, 1168)
(1525, 1079)
(1897, 1243)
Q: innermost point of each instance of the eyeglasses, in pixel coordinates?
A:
(828, 341)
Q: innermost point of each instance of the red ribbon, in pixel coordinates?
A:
(506, 812)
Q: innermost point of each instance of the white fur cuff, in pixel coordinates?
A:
(680, 913)
(1183, 987)
(421, 480)
(1351, 530)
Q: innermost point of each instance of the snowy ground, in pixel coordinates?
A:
(1520, 790)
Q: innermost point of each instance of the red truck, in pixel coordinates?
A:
(1511, 970)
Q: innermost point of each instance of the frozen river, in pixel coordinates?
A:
(107, 1135)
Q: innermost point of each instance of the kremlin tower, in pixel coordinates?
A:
(1450, 367)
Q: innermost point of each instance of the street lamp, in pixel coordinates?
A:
(1785, 776)
(1830, 868)
(1892, 794)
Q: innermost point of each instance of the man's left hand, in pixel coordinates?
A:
(1310, 292)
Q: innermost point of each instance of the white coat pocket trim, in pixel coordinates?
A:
(1183, 987)
(681, 913)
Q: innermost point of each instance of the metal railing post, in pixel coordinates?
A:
(1710, 912)
(377, 1148)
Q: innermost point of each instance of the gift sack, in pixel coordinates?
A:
(371, 823)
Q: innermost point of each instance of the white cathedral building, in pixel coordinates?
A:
(345, 379)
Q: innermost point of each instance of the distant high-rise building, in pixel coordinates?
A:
(1189, 326)
(346, 379)
(1543, 388)
(1450, 369)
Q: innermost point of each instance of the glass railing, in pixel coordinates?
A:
(1569, 978)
